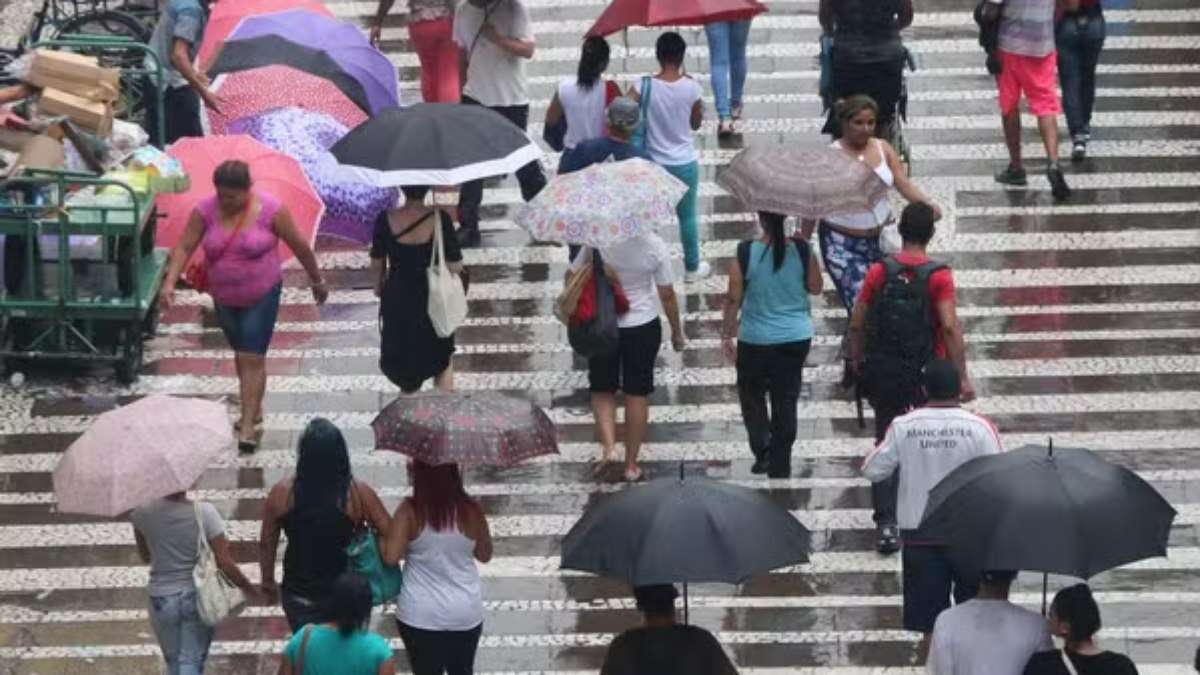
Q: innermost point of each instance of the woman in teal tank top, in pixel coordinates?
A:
(767, 306)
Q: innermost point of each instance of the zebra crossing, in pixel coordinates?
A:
(1082, 321)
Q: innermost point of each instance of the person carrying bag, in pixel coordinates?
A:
(447, 295)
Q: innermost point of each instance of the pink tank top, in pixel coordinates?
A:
(249, 267)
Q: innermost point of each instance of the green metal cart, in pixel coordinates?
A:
(63, 305)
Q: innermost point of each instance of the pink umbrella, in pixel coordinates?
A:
(227, 14)
(249, 92)
(125, 459)
(273, 173)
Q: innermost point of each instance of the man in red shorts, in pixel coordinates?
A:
(1028, 64)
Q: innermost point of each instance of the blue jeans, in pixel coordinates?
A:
(182, 635)
(727, 61)
(689, 227)
(1079, 46)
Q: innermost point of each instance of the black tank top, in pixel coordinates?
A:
(316, 550)
(865, 30)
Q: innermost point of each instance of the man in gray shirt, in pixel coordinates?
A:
(988, 635)
(176, 39)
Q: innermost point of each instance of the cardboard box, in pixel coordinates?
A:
(76, 74)
(91, 115)
(40, 152)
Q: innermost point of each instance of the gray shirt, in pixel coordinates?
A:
(986, 637)
(169, 528)
(182, 19)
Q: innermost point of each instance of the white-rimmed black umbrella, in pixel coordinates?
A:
(433, 144)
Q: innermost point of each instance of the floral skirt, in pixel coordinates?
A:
(847, 260)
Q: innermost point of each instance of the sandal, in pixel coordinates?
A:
(237, 426)
(247, 447)
(634, 476)
(605, 460)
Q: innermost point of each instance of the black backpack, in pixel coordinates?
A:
(600, 336)
(743, 258)
(899, 337)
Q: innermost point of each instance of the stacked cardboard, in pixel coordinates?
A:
(77, 87)
(91, 115)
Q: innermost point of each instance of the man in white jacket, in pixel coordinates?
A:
(926, 445)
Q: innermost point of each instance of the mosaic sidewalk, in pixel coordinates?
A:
(1082, 321)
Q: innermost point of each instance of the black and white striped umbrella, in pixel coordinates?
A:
(433, 144)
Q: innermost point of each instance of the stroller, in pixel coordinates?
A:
(894, 134)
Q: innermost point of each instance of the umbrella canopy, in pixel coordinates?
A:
(803, 182)
(695, 530)
(625, 13)
(350, 208)
(122, 461)
(466, 428)
(434, 144)
(602, 205)
(227, 14)
(343, 42)
(273, 50)
(1065, 511)
(249, 92)
(273, 173)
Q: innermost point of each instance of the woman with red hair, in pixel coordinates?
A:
(440, 532)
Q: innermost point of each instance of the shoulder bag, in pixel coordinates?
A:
(216, 596)
(298, 668)
(197, 272)
(568, 299)
(447, 305)
(1067, 662)
(363, 558)
(638, 139)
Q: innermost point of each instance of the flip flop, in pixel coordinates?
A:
(635, 477)
(247, 447)
(601, 463)
(237, 426)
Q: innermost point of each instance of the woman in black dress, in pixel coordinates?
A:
(410, 351)
(1075, 617)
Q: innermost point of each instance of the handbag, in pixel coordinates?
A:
(568, 299)
(638, 139)
(197, 272)
(447, 306)
(216, 596)
(362, 555)
(600, 336)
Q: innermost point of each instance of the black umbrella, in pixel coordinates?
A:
(433, 144)
(1064, 511)
(270, 50)
(695, 530)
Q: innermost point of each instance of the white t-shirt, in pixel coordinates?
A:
(986, 637)
(669, 121)
(642, 265)
(495, 77)
(584, 110)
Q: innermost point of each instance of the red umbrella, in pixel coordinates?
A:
(273, 172)
(249, 92)
(625, 13)
(227, 14)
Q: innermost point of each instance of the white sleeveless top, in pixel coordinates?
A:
(441, 588)
(868, 220)
(584, 110)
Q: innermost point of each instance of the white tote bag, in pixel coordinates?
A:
(216, 596)
(447, 299)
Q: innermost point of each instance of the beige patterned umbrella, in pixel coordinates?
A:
(154, 447)
(804, 182)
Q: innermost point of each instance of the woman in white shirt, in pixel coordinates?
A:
(440, 532)
(583, 99)
(673, 110)
(643, 268)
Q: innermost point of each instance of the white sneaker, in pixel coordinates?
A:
(701, 272)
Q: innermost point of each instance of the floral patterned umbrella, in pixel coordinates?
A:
(803, 182)
(350, 207)
(603, 205)
(249, 92)
(466, 428)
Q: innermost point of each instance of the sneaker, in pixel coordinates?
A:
(736, 111)
(1058, 184)
(701, 272)
(1012, 175)
(1078, 149)
(725, 129)
(889, 540)
(469, 237)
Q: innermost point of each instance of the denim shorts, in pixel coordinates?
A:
(249, 329)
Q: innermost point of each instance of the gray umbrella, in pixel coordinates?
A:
(803, 182)
(675, 530)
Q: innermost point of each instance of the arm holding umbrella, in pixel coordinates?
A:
(285, 229)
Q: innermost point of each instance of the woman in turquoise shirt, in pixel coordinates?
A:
(344, 645)
(770, 283)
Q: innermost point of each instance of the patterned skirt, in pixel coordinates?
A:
(847, 260)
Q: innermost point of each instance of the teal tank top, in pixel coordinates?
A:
(775, 307)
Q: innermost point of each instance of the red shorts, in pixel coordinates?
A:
(1036, 76)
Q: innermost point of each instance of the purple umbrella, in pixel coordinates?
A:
(350, 208)
(342, 42)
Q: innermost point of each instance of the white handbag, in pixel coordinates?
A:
(447, 300)
(216, 596)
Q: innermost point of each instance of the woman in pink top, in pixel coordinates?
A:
(240, 230)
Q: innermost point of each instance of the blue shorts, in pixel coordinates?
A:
(249, 329)
(929, 581)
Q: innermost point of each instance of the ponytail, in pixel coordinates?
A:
(772, 224)
(593, 60)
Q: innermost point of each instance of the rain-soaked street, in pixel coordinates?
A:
(1082, 322)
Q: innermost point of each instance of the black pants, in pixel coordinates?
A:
(440, 652)
(885, 492)
(181, 111)
(775, 372)
(301, 611)
(530, 176)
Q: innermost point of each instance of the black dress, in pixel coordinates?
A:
(1104, 663)
(410, 351)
